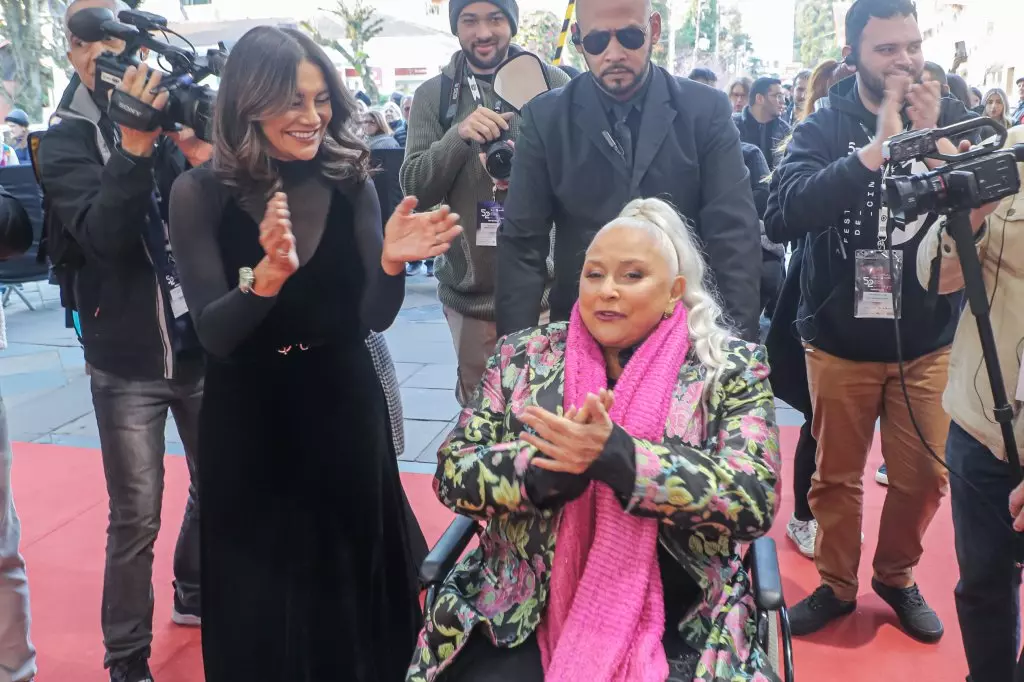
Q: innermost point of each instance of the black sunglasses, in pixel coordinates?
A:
(631, 38)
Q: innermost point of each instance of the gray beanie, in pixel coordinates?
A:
(508, 7)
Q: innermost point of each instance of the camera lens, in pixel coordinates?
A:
(499, 160)
(909, 197)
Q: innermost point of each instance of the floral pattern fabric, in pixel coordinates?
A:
(712, 482)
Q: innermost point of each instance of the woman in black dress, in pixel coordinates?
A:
(307, 574)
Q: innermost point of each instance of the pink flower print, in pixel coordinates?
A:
(685, 418)
(501, 595)
(754, 428)
(507, 351)
(492, 390)
(520, 394)
(536, 345)
(735, 622)
(760, 371)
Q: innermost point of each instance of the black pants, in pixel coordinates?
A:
(988, 593)
(481, 661)
(772, 274)
(804, 467)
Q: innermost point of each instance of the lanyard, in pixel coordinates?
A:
(462, 73)
(884, 213)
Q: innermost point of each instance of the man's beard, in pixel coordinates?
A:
(874, 84)
(500, 53)
(630, 86)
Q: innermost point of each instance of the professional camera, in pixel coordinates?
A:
(516, 82)
(969, 180)
(190, 104)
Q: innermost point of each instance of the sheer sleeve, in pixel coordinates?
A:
(223, 316)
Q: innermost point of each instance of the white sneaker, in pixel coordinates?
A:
(803, 533)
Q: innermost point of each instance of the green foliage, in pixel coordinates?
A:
(539, 32)
(686, 36)
(361, 26)
(815, 35)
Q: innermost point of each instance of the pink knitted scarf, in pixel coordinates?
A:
(605, 613)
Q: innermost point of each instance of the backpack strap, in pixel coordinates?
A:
(446, 94)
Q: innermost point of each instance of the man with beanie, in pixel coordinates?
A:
(17, 120)
(454, 115)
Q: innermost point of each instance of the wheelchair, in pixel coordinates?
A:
(761, 562)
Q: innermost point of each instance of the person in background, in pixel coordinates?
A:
(8, 157)
(378, 132)
(17, 655)
(1017, 117)
(17, 119)
(988, 592)
(795, 111)
(629, 129)
(935, 72)
(396, 122)
(977, 102)
(703, 74)
(739, 94)
(826, 192)
(364, 98)
(406, 108)
(761, 123)
(997, 107)
(958, 89)
(448, 129)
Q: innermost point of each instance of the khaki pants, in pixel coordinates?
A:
(474, 343)
(847, 399)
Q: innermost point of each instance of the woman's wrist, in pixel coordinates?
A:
(392, 267)
(268, 279)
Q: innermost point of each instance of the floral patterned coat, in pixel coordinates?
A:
(712, 482)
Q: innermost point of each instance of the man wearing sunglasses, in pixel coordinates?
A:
(629, 129)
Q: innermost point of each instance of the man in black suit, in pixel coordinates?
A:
(629, 129)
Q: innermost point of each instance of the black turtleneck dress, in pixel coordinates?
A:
(307, 575)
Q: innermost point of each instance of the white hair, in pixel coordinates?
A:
(708, 332)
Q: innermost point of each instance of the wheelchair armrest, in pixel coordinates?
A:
(764, 573)
(442, 558)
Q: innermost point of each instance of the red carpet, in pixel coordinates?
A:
(61, 498)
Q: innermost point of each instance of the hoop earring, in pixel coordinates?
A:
(669, 312)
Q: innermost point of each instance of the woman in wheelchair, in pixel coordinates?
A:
(617, 461)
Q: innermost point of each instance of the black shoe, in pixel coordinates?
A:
(916, 617)
(132, 670)
(185, 616)
(818, 610)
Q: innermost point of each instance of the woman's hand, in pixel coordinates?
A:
(571, 442)
(1017, 507)
(278, 242)
(411, 237)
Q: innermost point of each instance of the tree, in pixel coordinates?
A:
(34, 41)
(361, 26)
(686, 37)
(539, 32)
(815, 35)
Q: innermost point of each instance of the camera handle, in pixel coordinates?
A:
(958, 226)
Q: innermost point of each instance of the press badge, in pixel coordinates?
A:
(488, 219)
(178, 305)
(873, 286)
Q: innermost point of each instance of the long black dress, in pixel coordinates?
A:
(306, 569)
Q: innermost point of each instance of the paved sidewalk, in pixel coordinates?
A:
(43, 381)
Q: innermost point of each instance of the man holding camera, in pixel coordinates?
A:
(108, 186)
(827, 191)
(454, 118)
(988, 592)
(626, 130)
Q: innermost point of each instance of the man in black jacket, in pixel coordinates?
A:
(827, 192)
(627, 130)
(108, 186)
(761, 122)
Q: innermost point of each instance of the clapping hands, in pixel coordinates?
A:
(412, 236)
(572, 442)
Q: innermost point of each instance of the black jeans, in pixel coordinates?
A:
(131, 416)
(804, 466)
(988, 593)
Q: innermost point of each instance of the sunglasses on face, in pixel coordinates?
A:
(631, 38)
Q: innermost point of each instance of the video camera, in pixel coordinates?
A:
(969, 180)
(190, 104)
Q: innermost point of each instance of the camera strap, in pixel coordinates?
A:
(463, 74)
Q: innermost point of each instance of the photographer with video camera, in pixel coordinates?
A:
(455, 119)
(107, 188)
(827, 192)
(987, 594)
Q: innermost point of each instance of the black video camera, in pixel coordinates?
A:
(190, 104)
(982, 175)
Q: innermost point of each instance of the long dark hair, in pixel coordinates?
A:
(259, 81)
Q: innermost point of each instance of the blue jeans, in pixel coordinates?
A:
(988, 593)
(17, 655)
(131, 415)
